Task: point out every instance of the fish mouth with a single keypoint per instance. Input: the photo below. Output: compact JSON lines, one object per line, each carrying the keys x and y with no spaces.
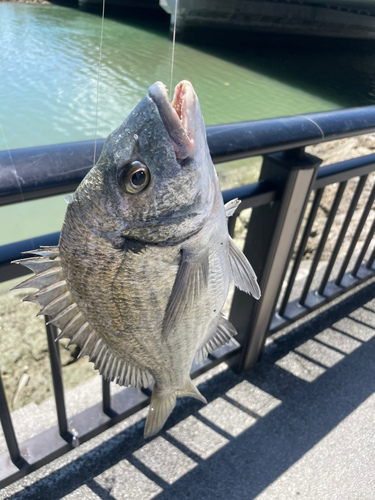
{"x":179,"y":116}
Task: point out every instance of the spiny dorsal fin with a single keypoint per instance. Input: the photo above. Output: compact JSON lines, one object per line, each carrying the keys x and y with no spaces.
{"x":243,"y":274}
{"x":39,"y":264}
{"x":72,"y":327}
{"x":223,"y":334}
{"x":43,"y":279}
{"x":44,"y":251}
{"x":49,"y":293}
{"x":189,"y":286}
{"x":67,"y":314}
{"x":58,"y":304}
{"x":231,"y":207}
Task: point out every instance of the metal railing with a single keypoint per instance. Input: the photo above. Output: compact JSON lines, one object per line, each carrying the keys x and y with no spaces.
{"x":284,"y":202}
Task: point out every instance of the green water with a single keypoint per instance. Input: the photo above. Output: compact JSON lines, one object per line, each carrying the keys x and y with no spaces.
{"x":48,"y":84}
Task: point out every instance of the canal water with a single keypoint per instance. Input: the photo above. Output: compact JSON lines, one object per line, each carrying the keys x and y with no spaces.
{"x":48,"y":85}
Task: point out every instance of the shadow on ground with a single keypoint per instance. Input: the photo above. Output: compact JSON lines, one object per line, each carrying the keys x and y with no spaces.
{"x":243,"y":444}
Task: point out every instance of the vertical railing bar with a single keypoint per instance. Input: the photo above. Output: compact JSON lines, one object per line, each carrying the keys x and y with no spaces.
{"x":364,"y":249}
{"x":371,"y":260}
{"x":356,"y":236}
{"x":8,"y":429}
{"x":344,"y":228}
{"x":57,"y":379}
{"x":271,"y":236}
{"x":323,"y":240}
{"x":106,"y":395}
{"x":301,"y":249}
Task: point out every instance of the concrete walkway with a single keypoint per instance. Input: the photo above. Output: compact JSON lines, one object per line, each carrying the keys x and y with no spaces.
{"x":300,"y":425}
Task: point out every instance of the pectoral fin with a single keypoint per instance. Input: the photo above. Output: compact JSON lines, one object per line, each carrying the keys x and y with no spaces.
{"x":189,"y":286}
{"x":244,"y":276}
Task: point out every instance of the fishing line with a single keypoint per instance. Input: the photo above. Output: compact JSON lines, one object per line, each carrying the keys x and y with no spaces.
{"x":11,"y":159}
{"x":98,"y":80}
{"x":15,"y":173}
{"x":174,"y":42}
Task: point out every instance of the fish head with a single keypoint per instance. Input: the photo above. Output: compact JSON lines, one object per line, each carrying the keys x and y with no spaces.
{"x":154,"y":181}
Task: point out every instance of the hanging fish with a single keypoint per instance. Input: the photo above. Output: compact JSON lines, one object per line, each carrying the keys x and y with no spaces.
{"x":144,"y":261}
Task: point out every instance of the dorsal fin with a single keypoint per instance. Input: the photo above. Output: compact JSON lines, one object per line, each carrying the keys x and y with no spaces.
{"x":223,"y":334}
{"x":39,"y":264}
{"x":44,"y":251}
{"x":59,"y":305}
{"x":42,"y":279}
{"x":62,"y":319}
{"x":46,"y":295}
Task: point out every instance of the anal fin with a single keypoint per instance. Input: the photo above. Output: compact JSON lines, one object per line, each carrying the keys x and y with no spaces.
{"x":222,"y":336}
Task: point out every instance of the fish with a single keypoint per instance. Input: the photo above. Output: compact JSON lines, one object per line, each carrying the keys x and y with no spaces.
{"x":144,"y":261}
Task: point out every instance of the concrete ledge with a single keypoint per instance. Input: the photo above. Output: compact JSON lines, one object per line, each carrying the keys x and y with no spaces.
{"x":331,"y":19}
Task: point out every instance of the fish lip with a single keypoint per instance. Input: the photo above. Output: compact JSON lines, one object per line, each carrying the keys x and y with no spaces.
{"x":179,"y":116}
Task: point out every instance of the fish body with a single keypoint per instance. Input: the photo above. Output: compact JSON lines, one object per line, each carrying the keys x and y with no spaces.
{"x":144,"y":261}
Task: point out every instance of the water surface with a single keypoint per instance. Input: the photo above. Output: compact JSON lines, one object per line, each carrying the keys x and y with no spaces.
{"x":48,"y":86}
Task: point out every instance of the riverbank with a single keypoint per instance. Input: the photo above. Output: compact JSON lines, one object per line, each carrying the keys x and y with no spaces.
{"x":331,"y":152}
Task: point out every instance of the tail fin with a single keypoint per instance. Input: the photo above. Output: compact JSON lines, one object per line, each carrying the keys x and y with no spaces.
{"x":189,"y":389}
{"x":161,"y":407}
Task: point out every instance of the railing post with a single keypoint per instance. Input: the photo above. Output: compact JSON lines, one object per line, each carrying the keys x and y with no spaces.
{"x":272,"y":232}
{"x":57,"y":380}
{"x":106,"y":396}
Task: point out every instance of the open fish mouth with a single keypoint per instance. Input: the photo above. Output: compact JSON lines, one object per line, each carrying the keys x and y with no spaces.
{"x":179,"y":116}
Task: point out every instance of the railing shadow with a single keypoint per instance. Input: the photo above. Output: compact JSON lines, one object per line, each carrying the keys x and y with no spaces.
{"x":254,"y":445}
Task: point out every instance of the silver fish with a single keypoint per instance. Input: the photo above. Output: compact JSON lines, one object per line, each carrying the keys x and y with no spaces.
{"x":144,"y":261}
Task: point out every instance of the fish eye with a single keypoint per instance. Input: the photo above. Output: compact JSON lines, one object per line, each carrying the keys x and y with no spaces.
{"x":134,"y":177}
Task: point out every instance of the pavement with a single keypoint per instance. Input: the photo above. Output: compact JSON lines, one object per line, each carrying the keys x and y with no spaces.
{"x":299,"y":425}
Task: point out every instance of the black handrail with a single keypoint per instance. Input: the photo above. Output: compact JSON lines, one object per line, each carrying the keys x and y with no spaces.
{"x":252,"y":195}
{"x":31,"y":173}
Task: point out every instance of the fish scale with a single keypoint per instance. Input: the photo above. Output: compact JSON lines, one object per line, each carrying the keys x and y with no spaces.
{"x":144,"y":261}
